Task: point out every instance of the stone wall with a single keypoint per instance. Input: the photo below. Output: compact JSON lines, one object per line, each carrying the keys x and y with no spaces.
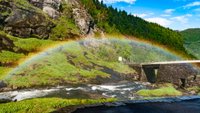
{"x":179,"y":74}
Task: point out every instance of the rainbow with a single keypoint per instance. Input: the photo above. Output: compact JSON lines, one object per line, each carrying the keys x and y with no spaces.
{"x":45,"y":51}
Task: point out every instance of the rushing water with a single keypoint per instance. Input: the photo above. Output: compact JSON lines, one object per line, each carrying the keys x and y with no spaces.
{"x":122,"y":91}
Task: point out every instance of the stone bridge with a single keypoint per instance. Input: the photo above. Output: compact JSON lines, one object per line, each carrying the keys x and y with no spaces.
{"x":181,"y":73}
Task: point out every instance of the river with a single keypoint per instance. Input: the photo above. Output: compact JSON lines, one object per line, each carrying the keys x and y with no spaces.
{"x":168,"y":105}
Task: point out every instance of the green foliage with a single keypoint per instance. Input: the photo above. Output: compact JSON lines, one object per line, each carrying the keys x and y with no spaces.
{"x":161,"y":92}
{"x":113,"y":20}
{"x":9,"y":57}
{"x":46,"y":105}
{"x":65,"y":25}
{"x":65,"y":29}
{"x":191,"y":35}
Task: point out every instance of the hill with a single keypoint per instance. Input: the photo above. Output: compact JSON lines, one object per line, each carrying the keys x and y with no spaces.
{"x":192,"y":41}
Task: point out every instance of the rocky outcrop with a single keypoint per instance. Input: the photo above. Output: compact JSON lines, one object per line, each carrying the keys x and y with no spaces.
{"x":23,"y":23}
{"x":51,"y":7}
{"x":28,"y":18}
{"x":82,"y":18}
{"x":24,"y":20}
{"x":179,"y":74}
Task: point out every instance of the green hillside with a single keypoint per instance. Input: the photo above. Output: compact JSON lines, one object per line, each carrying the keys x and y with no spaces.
{"x":112,"y":20}
{"x":192,"y":41}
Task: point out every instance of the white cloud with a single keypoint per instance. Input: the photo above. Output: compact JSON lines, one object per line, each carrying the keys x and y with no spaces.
{"x":114,"y":1}
{"x":142,"y":15}
{"x":197,"y":3}
{"x":182,"y":19}
{"x":162,"y":21}
{"x":169,"y":11}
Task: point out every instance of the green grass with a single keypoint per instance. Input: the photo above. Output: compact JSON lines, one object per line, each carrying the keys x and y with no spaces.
{"x":161,"y":92}
{"x":32,"y":44}
{"x":4,"y":71}
{"x":10,"y":57}
{"x":45,"y":105}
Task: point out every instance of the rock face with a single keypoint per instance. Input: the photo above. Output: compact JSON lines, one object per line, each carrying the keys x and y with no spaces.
{"x":51,"y":7}
{"x":24,"y":20}
{"x":82,"y":18}
{"x":179,"y":74}
{"x":28,"y":18}
{"x":28,"y":23}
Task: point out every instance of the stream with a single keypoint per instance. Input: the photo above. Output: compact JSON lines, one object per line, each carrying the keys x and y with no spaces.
{"x":122,"y":91}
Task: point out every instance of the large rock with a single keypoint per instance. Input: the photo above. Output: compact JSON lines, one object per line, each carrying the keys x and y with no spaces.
{"x":179,"y":74}
{"x":51,"y":7}
{"x":2,"y":84}
{"x":25,"y":23}
{"x":82,"y":18}
{"x":24,"y":20}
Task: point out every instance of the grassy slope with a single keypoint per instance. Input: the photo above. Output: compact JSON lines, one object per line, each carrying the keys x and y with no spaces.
{"x":45,"y":105}
{"x":75,"y":63}
{"x":192,"y":41}
{"x":56,"y":68}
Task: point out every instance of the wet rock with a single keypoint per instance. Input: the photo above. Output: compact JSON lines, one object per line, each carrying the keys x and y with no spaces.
{"x":4,"y":99}
{"x":2,"y":84}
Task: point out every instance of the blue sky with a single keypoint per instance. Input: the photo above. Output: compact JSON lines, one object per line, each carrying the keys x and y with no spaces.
{"x":175,"y":14}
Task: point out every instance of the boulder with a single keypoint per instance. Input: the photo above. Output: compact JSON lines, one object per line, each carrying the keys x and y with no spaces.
{"x":2,"y":84}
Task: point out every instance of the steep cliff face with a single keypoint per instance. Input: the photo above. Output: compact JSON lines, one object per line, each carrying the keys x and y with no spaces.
{"x":37,"y":18}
